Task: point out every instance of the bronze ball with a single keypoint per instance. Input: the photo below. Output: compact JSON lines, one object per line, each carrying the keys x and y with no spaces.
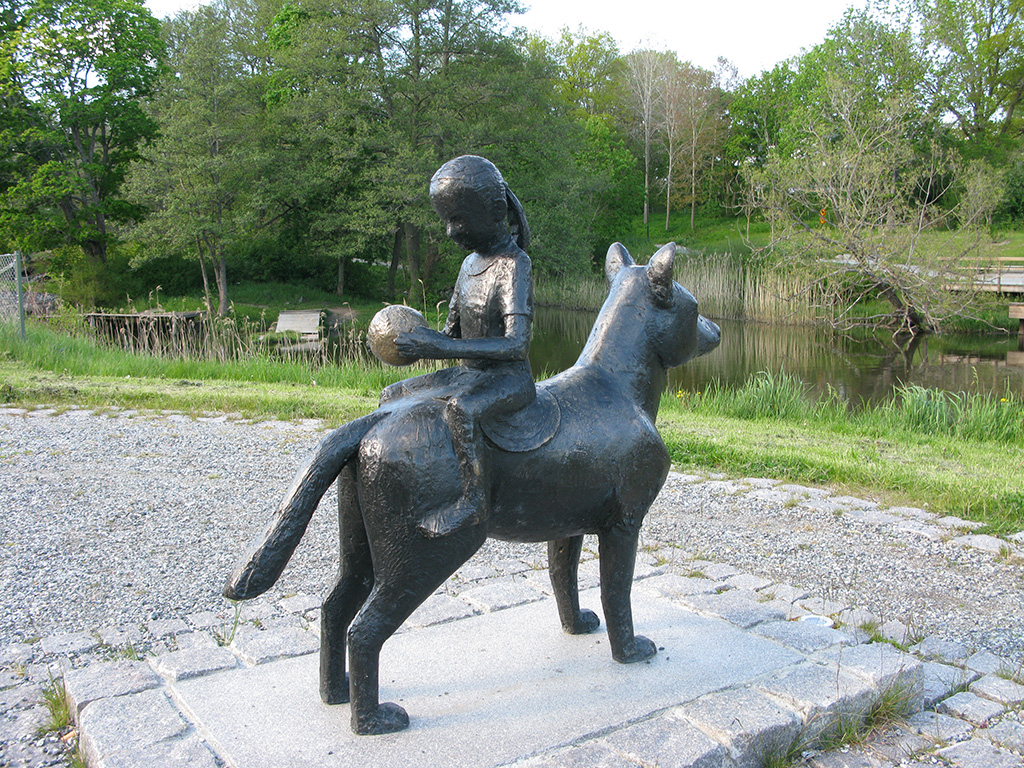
{"x":385,"y":326}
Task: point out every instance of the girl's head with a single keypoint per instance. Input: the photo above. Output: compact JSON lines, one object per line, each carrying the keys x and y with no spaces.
{"x":478,"y":208}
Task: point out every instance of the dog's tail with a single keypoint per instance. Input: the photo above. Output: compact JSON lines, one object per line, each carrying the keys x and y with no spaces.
{"x":268,"y":555}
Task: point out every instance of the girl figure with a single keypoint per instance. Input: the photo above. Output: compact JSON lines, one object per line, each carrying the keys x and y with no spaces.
{"x":489,"y":324}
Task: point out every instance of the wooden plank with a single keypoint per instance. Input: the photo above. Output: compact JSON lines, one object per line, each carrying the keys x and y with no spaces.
{"x":1017,"y":311}
{"x":303,"y":321}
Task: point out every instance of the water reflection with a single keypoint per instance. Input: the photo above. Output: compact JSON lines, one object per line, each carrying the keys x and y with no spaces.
{"x":862,"y":368}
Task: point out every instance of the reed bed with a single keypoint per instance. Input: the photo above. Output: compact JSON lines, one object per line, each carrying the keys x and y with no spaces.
{"x":723,"y":283}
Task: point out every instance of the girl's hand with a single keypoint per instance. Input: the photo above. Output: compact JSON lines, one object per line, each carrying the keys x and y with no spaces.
{"x":422,"y":343}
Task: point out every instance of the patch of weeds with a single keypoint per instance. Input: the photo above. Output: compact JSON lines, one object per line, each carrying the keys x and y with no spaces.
{"x":779,"y":753}
{"x":1007,"y":555}
{"x":223,"y":640}
{"x":58,"y":707}
{"x":695,"y":573}
{"x":1013,"y":674}
{"x":890,"y":707}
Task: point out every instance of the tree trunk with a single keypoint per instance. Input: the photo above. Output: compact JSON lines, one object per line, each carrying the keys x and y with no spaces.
{"x":910,"y":317}
{"x":206,"y":282}
{"x":340,"y":290}
{"x":412,"y":253}
{"x":396,"y":257}
{"x":220,"y":273}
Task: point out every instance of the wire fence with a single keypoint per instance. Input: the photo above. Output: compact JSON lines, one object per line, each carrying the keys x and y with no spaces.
{"x":12,"y":297}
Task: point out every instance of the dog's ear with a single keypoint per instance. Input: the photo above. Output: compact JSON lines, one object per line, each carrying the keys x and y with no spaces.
{"x":617,"y":258}
{"x":659,"y":271}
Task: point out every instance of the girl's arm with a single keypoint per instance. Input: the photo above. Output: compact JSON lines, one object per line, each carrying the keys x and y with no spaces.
{"x":428,"y":344}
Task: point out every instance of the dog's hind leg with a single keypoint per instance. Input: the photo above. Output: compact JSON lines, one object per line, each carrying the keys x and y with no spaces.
{"x":355,"y":580}
{"x":406,"y":574}
{"x":563,"y":564}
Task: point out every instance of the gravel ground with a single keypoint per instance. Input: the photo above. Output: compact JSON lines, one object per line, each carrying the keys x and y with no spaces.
{"x":118,"y":519}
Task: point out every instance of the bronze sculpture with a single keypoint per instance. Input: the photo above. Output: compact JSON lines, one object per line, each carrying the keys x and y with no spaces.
{"x":583,"y":457}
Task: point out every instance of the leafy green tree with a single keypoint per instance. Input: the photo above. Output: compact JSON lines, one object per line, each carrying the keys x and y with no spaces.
{"x":202,"y":179}
{"x":978,"y":51}
{"x":74,"y":75}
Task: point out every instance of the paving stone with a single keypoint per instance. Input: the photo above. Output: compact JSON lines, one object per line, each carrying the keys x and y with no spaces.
{"x":937,"y":649}
{"x":646,"y":571}
{"x":16,"y":653}
{"x":589,"y":755}
{"x":166,"y":627}
{"x":941,"y":680}
{"x":949,"y":521}
{"x":204,"y":619}
{"x":20,"y":696}
{"x":913,"y":512}
{"x":871,"y":516}
{"x":939,"y":727}
{"x":847,"y":759}
{"x":193,"y":662}
{"x":857,"y":617}
{"x":672,"y":585}
{"x":747,"y":581}
{"x":69,"y":643}
{"x":1018,"y":537}
{"x":984,"y":663}
{"x":774,"y":495}
{"x":1006,"y":692}
{"x":991,"y":544}
{"x":120,"y":637}
{"x":195,"y":640}
{"x":855,"y":502}
{"x":824,"y":505}
{"x":750,"y":725}
{"x":101,"y":681}
{"x":254,"y":611}
{"x":589,"y":574}
{"x":757,"y":482}
{"x":506,"y":593}
{"x":1007,"y":734}
{"x":896,"y":743}
{"x":896,"y":631}
{"x":803,"y":490}
{"x":298,"y":603}
{"x":438,"y":609}
{"x":667,"y":740}
{"x":970,"y":707}
{"x":255,"y":646}
{"x":737,"y":606}
{"x":8,"y":680}
{"x":144,"y":729}
{"x":824,"y":607}
{"x":924,"y":530}
{"x":803,"y":636}
{"x":719,"y":571}
{"x":886,"y":667}
{"x":979,"y":753}
{"x":820,"y":694}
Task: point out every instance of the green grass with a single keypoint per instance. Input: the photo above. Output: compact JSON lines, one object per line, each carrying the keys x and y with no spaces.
{"x":953,"y":454}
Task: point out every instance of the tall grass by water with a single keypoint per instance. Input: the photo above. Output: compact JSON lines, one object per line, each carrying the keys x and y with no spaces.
{"x":912,"y":409}
{"x":724,"y":285}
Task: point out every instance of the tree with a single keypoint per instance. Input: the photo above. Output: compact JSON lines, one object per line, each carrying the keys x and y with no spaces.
{"x":868,"y":212}
{"x":691,"y":125}
{"x":202,"y":178}
{"x":643,"y":73}
{"x":75,"y":74}
{"x":978,"y":50}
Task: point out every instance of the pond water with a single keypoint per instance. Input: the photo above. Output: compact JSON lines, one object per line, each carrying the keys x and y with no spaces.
{"x":861,"y":368}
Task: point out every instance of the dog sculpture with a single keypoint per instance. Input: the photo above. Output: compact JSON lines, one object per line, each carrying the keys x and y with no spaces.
{"x":596,"y":473}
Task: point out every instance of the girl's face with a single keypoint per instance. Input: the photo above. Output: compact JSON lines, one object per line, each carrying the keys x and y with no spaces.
{"x":470,"y":219}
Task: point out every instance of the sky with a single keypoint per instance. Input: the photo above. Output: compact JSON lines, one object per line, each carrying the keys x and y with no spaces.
{"x":753,"y":34}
